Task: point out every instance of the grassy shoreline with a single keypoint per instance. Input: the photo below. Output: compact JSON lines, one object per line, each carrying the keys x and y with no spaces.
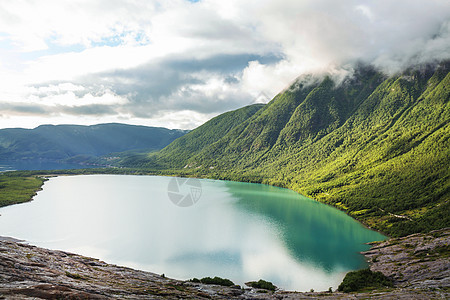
{"x":19,"y":189}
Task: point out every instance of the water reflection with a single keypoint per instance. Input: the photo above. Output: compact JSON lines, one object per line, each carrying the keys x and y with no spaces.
{"x":312,"y":231}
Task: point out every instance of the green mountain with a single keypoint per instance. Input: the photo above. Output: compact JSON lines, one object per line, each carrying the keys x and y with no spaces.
{"x":68,"y":141}
{"x":177,"y":153}
{"x":375,"y":146}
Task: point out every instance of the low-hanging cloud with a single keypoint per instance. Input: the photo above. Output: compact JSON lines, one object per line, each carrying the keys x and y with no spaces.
{"x":392,"y":35}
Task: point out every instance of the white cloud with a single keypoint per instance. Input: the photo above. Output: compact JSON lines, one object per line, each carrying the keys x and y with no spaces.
{"x":187,"y":119}
{"x":269,"y":79}
{"x":151,"y":61}
{"x":33,"y":24}
{"x":69,"y":66}
{"x":68,"y":98}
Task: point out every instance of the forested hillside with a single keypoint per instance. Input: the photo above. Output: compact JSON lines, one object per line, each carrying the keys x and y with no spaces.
{"x":373,"y":145}
{"x":177,"y":153}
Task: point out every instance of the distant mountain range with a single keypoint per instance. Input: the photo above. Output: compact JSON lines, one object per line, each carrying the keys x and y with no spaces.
{"x":373,"y":145}
{"x":76,"y":142}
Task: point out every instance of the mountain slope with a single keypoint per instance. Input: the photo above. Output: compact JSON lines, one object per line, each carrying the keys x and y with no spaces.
{"x":174,"y":155}
{"x":375,"y":146}
{"x":65,"y":141}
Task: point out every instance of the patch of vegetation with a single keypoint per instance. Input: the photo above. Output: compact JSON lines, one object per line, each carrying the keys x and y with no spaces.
{"x":442,"y":251}
{"x":176,"y":287}
{"x":363,"y":280}
{"x":75,"y":276}
{"x":18,"y":189}
{"x":262,"y":284}
{"x":216,"y":280}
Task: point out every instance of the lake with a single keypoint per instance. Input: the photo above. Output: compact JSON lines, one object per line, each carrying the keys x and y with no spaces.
{"x":194,"y":228}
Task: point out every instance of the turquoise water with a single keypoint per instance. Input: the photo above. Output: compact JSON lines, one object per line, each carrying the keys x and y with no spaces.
{"x":234,"y":230}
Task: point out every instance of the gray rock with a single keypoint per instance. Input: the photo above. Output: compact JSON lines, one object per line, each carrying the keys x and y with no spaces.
{"x":418,"y":264}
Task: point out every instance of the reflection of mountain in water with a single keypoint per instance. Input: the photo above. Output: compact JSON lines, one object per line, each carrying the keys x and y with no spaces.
{"x":313,"y":232}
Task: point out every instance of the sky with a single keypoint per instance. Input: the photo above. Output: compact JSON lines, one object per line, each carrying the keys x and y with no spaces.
{"x":178,"y":63}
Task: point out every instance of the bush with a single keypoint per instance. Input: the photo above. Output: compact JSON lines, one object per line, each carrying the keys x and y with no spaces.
{"x":215,"y":280}
{"x":363,"y":280}
{"x":262,"y":284}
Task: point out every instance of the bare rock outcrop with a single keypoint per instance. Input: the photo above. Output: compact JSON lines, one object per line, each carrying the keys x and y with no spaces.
{"x":418,"y":261}
{"x":418,"y":265}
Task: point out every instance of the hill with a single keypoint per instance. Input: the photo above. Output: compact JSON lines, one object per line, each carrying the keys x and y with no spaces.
{"x":68,"y":141}
{"x":175,"y":155}
{"x":373,"y":145}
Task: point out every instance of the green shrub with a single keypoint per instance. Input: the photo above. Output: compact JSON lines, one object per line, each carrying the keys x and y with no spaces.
{"x":363,"y":280}
{"x":215,"y":280}
{"x":262,"y":284}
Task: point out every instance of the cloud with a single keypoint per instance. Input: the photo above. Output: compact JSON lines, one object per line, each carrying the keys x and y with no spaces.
{"x":90,"y":109}
{"x":23,"y":109}
{"x":150,"y":62}
{"x":390,"y":34}
{"x":168,"y":84}
{"x":206,"y":85}
{"x":34,"y":25}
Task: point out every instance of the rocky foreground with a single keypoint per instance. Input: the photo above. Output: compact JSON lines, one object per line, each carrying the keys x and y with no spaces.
{"x":418,"y":264}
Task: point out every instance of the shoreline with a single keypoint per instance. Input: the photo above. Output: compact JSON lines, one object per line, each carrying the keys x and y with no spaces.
{"x":30,"y":272}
